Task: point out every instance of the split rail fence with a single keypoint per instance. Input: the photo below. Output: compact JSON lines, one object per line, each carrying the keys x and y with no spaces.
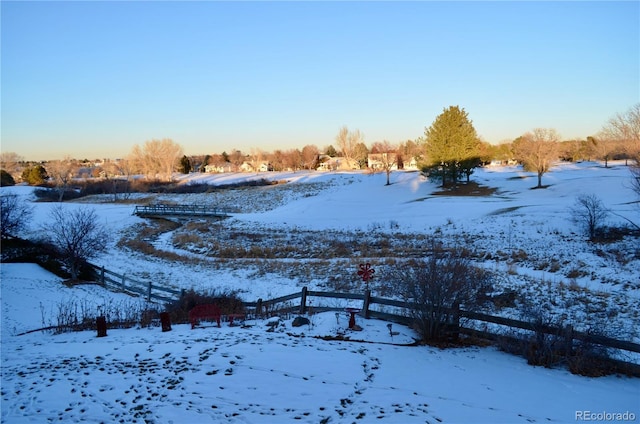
{"x":388,"y":310}
{"x":123,"y":283}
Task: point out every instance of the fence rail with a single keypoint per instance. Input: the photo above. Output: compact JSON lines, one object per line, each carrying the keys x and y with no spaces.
{"x":284,"y":304}
{"x":180,"y":210}
{"x":123,"y":283}
{"x":269,"y":306}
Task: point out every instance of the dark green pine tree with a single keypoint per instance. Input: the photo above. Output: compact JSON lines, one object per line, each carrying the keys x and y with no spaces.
{"x":35,"y":175}
{"x":185,"y":165}
{"x":451,"y":145}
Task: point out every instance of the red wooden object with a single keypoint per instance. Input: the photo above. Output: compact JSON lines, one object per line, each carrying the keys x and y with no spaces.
{"x":204,"y":312}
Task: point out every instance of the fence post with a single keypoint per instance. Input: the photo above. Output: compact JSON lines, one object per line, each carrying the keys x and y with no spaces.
{"x":101,"y":324}
{"x":149,"y":293}
{"x":568,"y":339}
{"x":165,"y":321}
{"x":259,"y":308}
{"x":365,"y":304}
{"x":303,"y":300}
{"x":456,"y":321}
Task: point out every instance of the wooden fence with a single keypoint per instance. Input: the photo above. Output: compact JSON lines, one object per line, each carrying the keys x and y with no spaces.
{"x":400,"y":311}
{"x":402,"y":315}
{"x":122,"y":283}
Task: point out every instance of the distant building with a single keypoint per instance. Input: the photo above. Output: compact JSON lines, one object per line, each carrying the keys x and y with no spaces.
{"x":382,"y":160}
{"x":214,"y":168}
{"x":328,"y":163}
{"x":263,"y":166}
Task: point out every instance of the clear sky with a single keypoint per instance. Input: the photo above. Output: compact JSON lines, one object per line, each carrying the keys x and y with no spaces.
{"x":92,"y":79}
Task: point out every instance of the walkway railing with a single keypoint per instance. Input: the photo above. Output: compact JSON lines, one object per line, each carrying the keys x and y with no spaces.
{"x":180,"y":210}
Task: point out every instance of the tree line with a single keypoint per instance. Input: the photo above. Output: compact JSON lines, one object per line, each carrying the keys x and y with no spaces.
{"x":449,"y":151}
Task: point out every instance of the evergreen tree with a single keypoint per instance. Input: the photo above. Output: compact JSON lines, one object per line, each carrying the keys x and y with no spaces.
{"x":6,"y":179}
{"x":35,"y":175}
{"x":361,"y":155}
{"x":451,"y":145}
{"x":331,"y":151}
{"x":185,"y":165}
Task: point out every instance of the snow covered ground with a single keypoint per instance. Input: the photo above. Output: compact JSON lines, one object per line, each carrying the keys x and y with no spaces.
{"x":249,"y":375}
{"x":246,"y":374}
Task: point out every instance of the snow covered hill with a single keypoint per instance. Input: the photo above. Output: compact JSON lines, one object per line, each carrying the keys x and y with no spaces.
{"x":316,"y":226}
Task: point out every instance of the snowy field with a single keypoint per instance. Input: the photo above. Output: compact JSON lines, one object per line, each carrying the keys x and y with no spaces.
{"x":246,"y":374}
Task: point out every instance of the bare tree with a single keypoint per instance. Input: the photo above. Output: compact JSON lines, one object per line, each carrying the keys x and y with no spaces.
{"x":310,"y":154}
{"x":61,"y":171}
{"x":276,"y":159}
{"x":15,"y":214}
{"x":635,"y":180}
{"x":604,"y":145}
{"x":589,"y":213}
{"x":119,"y":173}
{"x":386,"y":156}
{"x":258,"y":157}
{"x":292,"y":160}
{"x":624,"y":129}
{"x":10,"y":162}
{"x":438,"y":286}
{"x":537,"y":151}
{"x":157,"y":158}
{"x":78,"y":236}
{"x":236,"y":158}
{"x":347,"y":141}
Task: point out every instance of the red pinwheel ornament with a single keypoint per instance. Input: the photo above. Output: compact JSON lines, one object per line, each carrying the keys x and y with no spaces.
{"x":366,"y":272}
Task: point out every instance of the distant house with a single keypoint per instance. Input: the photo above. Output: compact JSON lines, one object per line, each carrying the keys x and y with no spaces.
{"x":412,"y":164}
{"x":263,"y":166}
{"x":327,"y":163}
{"x":214,"y":168}
{"x":246,"y":167}
{"x":382,"y":160}
{"x":498,"y":162}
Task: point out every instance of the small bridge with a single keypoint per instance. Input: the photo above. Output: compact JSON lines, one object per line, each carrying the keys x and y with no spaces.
{"x":154,"y":211}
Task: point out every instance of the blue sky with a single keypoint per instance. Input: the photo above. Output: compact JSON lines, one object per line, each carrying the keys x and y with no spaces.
{"x":92,"y":79}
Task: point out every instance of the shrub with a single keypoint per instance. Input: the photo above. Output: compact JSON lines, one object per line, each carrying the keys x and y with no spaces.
{"x":438,"y":285}
{"x":15,"y":214}
{"x":589,"y":213}
{"x":81,"y":314}
{"x":227,"y":301}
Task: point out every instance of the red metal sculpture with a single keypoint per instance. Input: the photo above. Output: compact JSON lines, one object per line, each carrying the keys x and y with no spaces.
{"x":366,"y":272}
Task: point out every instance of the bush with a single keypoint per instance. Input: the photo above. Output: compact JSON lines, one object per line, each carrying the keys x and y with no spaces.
{"x":51,"y":195}
{"x":228,"y":302}
{"x":439,"y":285}
{"x":15,"y":214}
{"x":81,"y":314}
{"x":589,"y":213}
